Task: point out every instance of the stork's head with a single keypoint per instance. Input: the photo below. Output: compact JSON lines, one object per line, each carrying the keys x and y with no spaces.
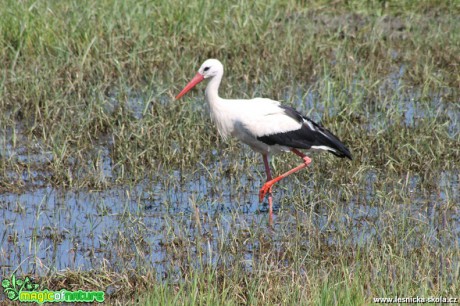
{"x":210,"y":68}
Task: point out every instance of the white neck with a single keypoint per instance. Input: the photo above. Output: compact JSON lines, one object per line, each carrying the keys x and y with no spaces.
{"x":218,"y":107}
{"x":212,"y":90}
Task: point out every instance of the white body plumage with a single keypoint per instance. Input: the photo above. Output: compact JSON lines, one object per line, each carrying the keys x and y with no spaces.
{"x":264,"y":124}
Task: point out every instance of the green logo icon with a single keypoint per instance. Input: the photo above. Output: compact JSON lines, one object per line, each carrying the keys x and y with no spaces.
{"x":13,"y":287}
{"x":25,"y":290}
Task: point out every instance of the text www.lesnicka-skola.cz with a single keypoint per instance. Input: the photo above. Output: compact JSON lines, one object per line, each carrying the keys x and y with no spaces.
{"x":431,"y":299}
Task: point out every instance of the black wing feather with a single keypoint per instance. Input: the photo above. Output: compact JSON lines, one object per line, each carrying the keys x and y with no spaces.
{"x":306,"y":137}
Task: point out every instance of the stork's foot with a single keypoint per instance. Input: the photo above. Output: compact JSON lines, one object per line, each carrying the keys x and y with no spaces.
{"x":266,"y":189}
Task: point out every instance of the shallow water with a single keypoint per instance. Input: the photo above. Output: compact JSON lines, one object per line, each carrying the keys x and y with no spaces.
{"x":46,"y":229}
{"x":49,"y":229}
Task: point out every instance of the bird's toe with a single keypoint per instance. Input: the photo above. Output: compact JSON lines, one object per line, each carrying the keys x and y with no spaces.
{"x":266,"y":188}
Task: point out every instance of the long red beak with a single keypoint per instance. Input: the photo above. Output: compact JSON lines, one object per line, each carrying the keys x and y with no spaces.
{"x":196,"y":79}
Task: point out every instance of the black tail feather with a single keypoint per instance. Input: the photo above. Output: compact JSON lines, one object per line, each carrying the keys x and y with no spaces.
{"x":310,"y":135}
{"x":323,"y":137}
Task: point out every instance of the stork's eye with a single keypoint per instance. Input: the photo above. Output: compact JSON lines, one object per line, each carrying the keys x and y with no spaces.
{"x":206,"y":68}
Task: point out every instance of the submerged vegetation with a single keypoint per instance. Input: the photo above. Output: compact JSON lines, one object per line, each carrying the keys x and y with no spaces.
{"x":87,"y":106}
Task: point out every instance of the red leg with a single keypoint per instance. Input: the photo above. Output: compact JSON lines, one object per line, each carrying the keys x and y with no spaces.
{"x":267,"y":187}
{"x":301,"y":155}
{"x":270,"y":199}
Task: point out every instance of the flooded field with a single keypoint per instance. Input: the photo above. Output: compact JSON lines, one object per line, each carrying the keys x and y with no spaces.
{"x":108,"y":183}
{"x":52,"y":229}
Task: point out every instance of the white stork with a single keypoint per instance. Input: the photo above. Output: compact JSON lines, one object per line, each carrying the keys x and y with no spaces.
{"x":265,"y":125}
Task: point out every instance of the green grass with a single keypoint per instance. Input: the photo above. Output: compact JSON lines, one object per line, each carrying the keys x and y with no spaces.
{"x":79,"y":78}
{"x":63,"y":60}
{"x":287,"y":268}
